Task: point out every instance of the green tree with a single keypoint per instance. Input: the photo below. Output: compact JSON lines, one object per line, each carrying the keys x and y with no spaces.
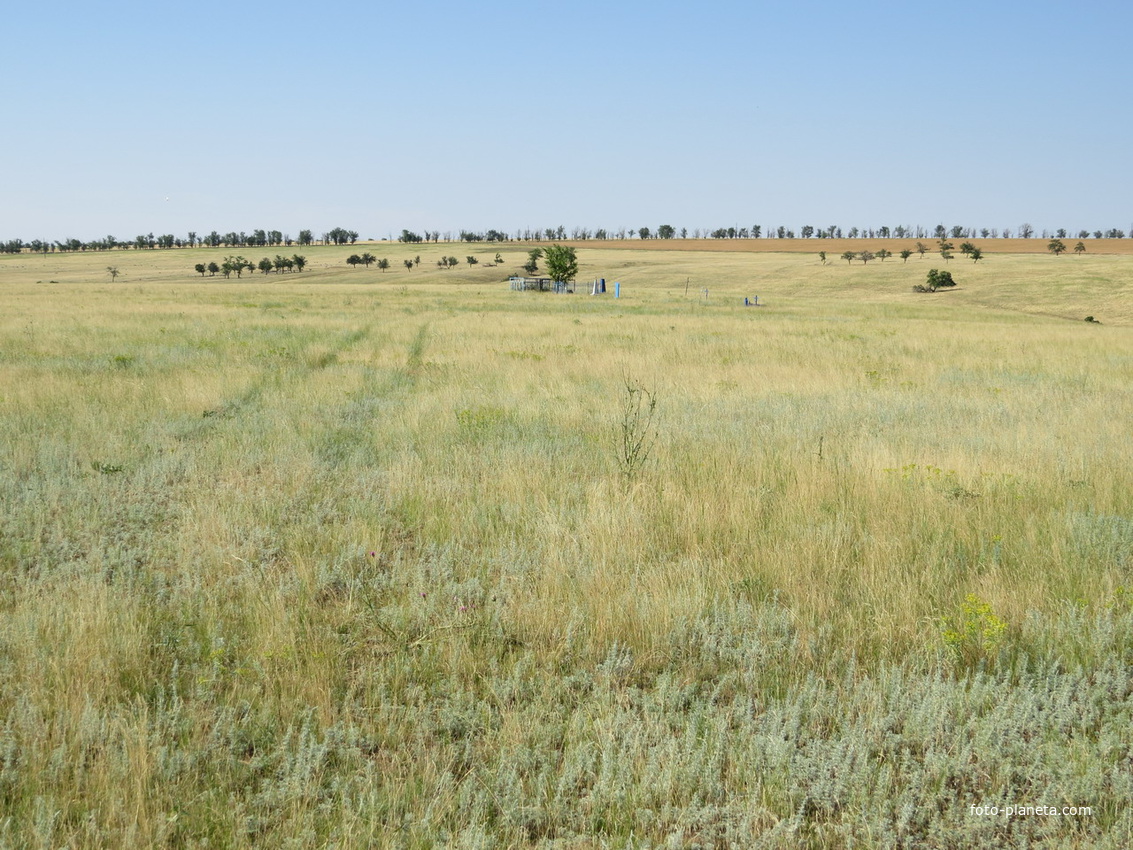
{"x":113,"y":272}
{"x":562,"y":262}
{"x":368,"y":259}
{"x":905,"y":254}
{"x":353,"y":261}
{"x":383,"y":264}
{"x":299,"y":261}
{"x":1056,"y":246}
{"x":1080,"y":248}
{"x":408,"y":264}
{"x":213,"y":269}
{"x":848,"y":256}
{"x":666,"y":231}
{"x":533,"y":258}
{"x":235,"y":264}
{"x":471,"y":260}
{"x":822,"y":257}
{"x":265,"y":265}
{"x":865,"y":256}
{"x":976,"y":254}
{"x":921,"y":248}
{"x":643,"y":232}
{"x":200,"y":269}
{"x":938,"y":279}
{"x":883,"y":253}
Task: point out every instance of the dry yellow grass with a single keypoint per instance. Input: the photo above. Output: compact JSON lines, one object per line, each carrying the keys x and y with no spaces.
{"x":352,"y":558}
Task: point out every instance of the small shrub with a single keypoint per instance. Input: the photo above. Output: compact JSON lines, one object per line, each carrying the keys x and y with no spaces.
{"x":977,"y":634}
{"x":637,"y":433}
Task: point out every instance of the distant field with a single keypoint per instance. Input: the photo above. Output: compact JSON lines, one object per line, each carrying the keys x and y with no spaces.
{"x":409,"y":560}
{"x":834,"y":247}
{"x":1069,"y":287}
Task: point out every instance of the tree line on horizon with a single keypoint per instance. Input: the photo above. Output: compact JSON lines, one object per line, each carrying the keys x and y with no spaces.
{"x":343,"y":236}
{"x":148,"y":241}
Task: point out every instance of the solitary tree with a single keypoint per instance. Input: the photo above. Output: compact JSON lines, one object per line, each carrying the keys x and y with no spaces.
{"x":905,"y":254}
{"x":865,"y":256}
{"x":562,"y":262}
{"x":200,"y":269}
{"x":937,"y":279}
{"x":113,"y":272}
{"x":408,"y":264}
{"x":1056,"y":246}
{"x":976,"y":254}
{"x":822,"y":256}
{"x":848,"y":256}
{"x":353,"y":260}
{"x":666,"y":231}
{"x":921,"y":248}
{"x":383,"y":264}
{"x":1079,"y":249}
{"x":882,"y":253}
{"x":643,"y":232}
{"x":471,"y":260}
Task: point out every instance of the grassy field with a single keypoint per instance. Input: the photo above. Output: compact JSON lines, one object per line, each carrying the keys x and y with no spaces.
{"x":350,"y":558}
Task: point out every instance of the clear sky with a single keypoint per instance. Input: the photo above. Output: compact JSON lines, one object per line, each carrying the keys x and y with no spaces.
{"x":128,"y":117}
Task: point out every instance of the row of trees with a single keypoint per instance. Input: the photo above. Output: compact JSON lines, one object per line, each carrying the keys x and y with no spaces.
{"x":238,"y":265}
{"x":945,"y":247}
{"x":343,"y":236}
{"x":444,"y":262}
{"x":148,"y":241}
{"x":756,"y":231}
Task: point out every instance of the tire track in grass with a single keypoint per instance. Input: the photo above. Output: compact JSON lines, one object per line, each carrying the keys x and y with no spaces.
{"x":272,"y":377}
{"x":349,"y":433}
{"x":137,"y":499}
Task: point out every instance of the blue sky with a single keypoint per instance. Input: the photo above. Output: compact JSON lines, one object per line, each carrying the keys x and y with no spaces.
{"x":508,"y":115}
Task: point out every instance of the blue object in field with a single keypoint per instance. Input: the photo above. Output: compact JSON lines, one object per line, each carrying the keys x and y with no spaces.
{"x":617,"y":289}
{"x":602,"y":285}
